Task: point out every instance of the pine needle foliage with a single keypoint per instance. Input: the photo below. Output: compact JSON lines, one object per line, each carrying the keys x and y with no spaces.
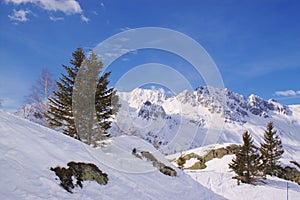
{"x":96,"y":112}
{"x":60,"y":114}
{"x":246,"y":163}
{"x":271,"y":150}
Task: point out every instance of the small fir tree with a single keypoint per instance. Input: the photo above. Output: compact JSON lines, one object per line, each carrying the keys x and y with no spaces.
{"x":271,"y":151}
{"x":246,"y":163}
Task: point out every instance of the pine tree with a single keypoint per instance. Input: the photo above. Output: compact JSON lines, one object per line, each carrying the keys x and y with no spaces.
{"x":84,"y":104}
{"x":246,"y":163}
{"x":271,"y":151}
{"x":106,"y":103}
{"x":60,"y":114}
{"x":94,"y":101}
{"x":83,"y":99}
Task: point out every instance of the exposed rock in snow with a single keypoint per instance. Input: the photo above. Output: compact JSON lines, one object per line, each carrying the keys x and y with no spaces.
{"x":151,"y":111}
{"x":259,"y":106}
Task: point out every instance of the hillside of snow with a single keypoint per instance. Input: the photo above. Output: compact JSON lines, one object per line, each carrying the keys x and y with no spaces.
{"x":218,"y":178}
{"x":32,"y":112}
{"x":29,"y":150}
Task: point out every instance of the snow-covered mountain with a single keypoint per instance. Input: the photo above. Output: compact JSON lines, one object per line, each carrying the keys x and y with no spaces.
{"x":205,"y":116}
{"x":28,"y":151}
{"x":189,"y":122}
{"x":193,"y":119}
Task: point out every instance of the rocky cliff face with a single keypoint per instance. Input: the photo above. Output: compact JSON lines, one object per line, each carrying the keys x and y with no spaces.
{"x":261,"y":107}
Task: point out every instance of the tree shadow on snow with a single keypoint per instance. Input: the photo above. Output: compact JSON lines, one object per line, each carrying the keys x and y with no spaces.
{"x":282,"y":184}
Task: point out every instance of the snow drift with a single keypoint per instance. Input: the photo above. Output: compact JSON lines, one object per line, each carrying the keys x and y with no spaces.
{"x":28,"y":151}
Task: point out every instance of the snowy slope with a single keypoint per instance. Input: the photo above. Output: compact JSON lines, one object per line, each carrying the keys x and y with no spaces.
{"x":33,"y":112}
{"x":218,"y":178}
{"x":28,"y":151}
{"x":205,"y":116}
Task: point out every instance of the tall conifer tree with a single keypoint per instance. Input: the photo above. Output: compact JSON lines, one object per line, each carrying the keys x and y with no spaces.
{"x":60,"y":114}
{"x":106,"y":102}
{"x":271,"y":151}
{"x":94,"y":101}
{"x":103,"y":103}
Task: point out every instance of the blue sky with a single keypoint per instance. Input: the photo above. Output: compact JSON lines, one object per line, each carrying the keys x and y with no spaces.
{"x":255,"y":44}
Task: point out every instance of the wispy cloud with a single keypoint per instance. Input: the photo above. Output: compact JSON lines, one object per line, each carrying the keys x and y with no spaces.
{"x":52,"y":18}
{"x":102,"y":5}
{"x":10,"y":105}
{"x":95,"y":12}
{"x":287,"y":93}
{"x":19,"y":15}
{"x":65,"y":6}
{"x":68,"y":7}
{"x":84,"y":18}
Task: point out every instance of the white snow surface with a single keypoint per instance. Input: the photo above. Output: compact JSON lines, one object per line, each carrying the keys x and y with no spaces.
{"x":218,"y":177}
{"x":29,"y":150}
{"x":32,"y":112}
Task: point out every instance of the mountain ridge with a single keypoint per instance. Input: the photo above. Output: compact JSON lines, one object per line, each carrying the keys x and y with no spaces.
{"x":196,"y":112}
{"x":205,"y":116}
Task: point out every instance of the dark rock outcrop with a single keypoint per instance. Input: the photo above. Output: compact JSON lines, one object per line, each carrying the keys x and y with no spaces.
{"x":81,"y":172}
{"x":290,"y":173}
{"x":157,"y":164}
{"x":151,"y":111}
{"x":211,"y":154}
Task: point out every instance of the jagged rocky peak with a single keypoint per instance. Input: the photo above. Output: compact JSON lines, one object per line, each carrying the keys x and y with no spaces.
{"x":151,"y":111}
{"x":220,"y":94}
{"x":206,"y":96}
{"x":279,"y":108}
{"x":235,"y":99}
{"x":186,"y":97}
{"x":232,"y":104}
{"x":235,"y":105}
{"x":152,"y":95}
{"x":259,"y":106}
